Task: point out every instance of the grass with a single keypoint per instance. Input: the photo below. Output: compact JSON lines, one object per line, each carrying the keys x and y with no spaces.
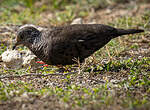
{"x":115,"y":77}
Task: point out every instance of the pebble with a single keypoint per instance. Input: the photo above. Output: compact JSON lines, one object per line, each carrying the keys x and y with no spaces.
{"x":13,"y":59}
{"x":77,"y":21}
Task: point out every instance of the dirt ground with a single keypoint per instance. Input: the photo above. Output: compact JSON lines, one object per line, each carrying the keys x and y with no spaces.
{"x":87,"y":78}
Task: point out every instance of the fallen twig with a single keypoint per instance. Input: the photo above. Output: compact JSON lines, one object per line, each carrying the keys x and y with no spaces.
{"x":37,"y":75}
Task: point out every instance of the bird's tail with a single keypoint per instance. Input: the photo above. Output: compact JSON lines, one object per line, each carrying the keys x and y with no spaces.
{"x":128,"y":31}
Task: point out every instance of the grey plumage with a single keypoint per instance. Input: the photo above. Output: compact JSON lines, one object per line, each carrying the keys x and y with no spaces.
{"x":60,"y":45}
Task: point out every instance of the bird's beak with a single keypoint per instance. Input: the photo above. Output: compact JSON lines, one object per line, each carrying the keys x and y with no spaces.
{"x":16,"y":44}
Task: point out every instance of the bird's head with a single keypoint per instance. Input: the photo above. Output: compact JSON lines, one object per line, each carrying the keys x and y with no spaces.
{"x":26,"y":35}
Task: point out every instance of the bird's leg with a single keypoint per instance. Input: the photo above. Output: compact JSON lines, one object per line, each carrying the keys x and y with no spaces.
{"x":61,"y":68}
{"x":41,"y":62}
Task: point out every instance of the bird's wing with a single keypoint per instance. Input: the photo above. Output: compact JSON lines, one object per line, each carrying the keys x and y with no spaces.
{"x":76,"y":41}
{"x":81,"y":32}
{"x":89,"y":37}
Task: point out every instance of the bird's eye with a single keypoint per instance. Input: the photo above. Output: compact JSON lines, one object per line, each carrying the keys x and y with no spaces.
{"x":21,"y":37}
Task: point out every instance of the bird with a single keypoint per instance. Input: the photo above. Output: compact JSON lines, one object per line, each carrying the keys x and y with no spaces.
{"x":60,"y":45}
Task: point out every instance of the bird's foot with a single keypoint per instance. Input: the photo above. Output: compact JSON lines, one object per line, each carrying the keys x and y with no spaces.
{"x":43,"y":63}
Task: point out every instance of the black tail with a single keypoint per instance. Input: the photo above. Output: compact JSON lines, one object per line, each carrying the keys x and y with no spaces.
{"x":128,"y":31}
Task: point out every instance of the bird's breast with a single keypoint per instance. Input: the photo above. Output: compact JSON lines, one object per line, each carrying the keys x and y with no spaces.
{"x":41,"y":50}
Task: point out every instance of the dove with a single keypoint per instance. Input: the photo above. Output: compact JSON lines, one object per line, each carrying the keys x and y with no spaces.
{"x":61,"y":45}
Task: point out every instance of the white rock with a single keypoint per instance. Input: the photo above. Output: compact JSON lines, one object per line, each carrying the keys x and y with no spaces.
{"x":29,"y":59}
{"x":77,"y":21}
{"x":12,"y":59}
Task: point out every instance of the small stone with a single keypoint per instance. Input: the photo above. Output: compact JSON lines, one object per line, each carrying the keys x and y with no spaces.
{"x":12,"y":59}
{"x":27,"y":57}
{"x":114,"y":81}
{"x":108,"y":11}
{"x":77,"y":21}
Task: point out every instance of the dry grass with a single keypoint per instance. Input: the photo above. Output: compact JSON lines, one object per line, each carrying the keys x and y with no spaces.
{"x":116,"y":77}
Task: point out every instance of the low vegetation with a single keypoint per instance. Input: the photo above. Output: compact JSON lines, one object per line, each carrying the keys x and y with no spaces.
{"x":116,"y":77}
